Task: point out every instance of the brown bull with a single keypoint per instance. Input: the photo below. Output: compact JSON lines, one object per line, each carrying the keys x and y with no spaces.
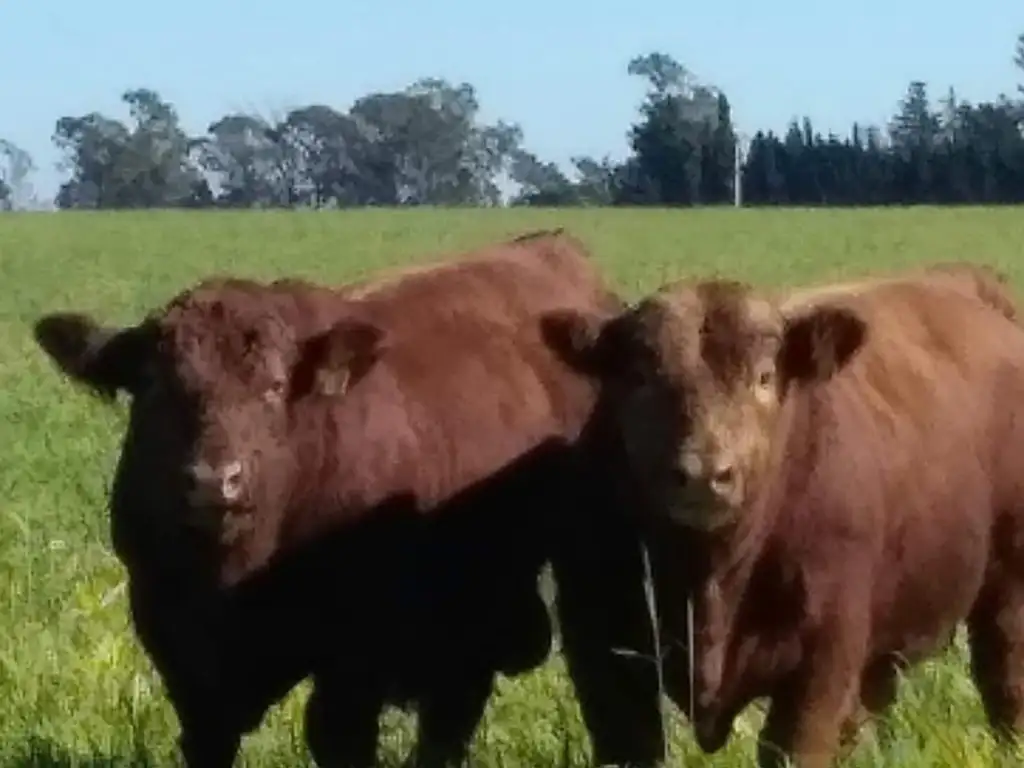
{"x":362,"y":485}
{"x":835,"y":479}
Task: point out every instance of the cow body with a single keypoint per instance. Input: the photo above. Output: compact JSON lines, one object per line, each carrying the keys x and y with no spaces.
{"x":359,"y":485}
{"x":836,"y":481}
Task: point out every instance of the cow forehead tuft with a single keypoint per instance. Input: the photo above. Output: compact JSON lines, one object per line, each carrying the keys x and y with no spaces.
{"x":217,"y":300}
{"x":222,"y":331}
{"x":715,"y":325}
{"x":230,"y":308}
{"x":733,"y":309}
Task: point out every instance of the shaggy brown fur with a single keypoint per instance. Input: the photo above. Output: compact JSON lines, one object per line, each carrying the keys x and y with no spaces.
{"x":979,"y":280}
{"x":362,"y":485}
{"x":838,"y":484}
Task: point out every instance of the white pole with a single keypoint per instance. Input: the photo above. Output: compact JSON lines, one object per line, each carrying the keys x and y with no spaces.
{"x":737,"y":170}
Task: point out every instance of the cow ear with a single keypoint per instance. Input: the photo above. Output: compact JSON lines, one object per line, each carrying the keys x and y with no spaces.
{"x":103,"y":359}
{"x":820,"y":341}
{"x":331,"y":362}
{"x":580,"y":340}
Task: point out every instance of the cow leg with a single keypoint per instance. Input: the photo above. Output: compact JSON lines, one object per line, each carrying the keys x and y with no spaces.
{"x":607,"y":643}
{"x":449,"y":713}
{"x":178,"y":638}
{"x":996,"y":637}
{"x":878,"y":687}
{"x":808,"y":712}
{"x":210,"y":726}
{"x":342,"y":722}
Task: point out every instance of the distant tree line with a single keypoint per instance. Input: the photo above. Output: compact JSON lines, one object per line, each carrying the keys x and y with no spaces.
{"x":426,"y":145}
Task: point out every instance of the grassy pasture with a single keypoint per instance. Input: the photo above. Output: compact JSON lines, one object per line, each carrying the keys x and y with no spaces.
{"x":75,"y":689}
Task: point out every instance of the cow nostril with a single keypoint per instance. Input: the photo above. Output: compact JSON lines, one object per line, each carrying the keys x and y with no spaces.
{"x":231,"y":480}
{"x":723,"y":478}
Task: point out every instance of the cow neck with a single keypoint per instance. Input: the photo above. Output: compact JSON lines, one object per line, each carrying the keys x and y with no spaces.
{"x":732,"y":555}
{"x":349,"y":454}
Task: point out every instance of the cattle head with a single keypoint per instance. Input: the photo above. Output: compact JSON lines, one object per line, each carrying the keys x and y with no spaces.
{"x":215,"y":379}
{"x":697,"y":375}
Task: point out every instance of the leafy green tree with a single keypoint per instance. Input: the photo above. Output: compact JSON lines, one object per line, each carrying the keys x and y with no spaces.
{"x":112,"y":165}
{"x":1018,"y":60}
{"x":426,"y":145}
{"x":540,"y":183}
{"x":16,"y":167}
{"x":245,"y":162}
{"x":667,"y":141}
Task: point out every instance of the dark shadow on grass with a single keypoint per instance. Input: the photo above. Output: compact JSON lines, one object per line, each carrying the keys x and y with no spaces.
{"x":43,"y":753}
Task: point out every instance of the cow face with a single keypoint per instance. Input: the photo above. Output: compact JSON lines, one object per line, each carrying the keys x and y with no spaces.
{"x":214,"y":380}
{"x":697,"y":374}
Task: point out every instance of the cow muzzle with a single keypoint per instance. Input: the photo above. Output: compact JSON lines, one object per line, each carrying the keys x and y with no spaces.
{"x":222,"y":485}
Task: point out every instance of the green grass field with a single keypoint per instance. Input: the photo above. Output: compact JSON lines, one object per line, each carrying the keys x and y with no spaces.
{"x":75,"y":689}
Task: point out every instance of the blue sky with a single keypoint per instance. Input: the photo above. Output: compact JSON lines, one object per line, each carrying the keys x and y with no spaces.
{"x":556,"y":67}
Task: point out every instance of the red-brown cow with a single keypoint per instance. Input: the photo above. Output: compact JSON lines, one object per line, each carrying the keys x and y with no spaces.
{"x":837,"y":481}
{"x":362,"y":485}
